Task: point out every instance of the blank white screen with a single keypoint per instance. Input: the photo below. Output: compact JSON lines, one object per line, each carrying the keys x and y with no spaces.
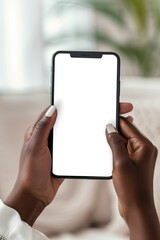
{"x":85,"y":93}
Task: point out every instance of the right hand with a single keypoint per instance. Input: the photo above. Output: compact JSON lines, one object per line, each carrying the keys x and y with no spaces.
{"x":134,"y":158}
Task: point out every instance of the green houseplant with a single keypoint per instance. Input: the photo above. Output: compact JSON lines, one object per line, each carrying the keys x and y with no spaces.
{"x":138,"y":19}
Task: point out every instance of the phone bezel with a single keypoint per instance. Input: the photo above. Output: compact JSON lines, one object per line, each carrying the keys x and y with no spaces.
{"x":82,"y":54}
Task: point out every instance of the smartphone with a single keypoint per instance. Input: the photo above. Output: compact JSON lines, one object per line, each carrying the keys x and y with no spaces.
{"x":85,"y":89}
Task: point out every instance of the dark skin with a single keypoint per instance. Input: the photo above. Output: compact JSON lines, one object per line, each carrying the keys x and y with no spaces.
{"x":134,"y":161}
{"x":133,"y":169}
{"x":35,"y":188}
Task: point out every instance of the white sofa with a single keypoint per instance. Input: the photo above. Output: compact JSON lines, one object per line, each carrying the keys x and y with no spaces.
{"x":83,"y":209}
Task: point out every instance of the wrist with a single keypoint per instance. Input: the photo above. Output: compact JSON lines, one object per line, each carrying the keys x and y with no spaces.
{"x":28,"y":207}
{"x":143,"y":222}
{"x":138,"y":211}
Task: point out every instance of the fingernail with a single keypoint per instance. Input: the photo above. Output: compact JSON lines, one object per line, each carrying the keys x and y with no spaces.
{"x":110,"y":128}
{"x":50,"y":111}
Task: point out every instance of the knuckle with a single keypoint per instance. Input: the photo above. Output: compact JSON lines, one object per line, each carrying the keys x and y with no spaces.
{"x":150,"y":149}
{"x":42,"y":123}
{"x":147,"y":146}
{"x":155,"y":152}
{"x":115,"y":138}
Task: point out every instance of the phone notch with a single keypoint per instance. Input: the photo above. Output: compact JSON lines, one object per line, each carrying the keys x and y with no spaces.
{"x":86,"y":54}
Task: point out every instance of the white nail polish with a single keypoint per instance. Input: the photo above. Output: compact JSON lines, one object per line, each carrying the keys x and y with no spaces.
{"x":110,"y":128}
{"x":50,"y":111}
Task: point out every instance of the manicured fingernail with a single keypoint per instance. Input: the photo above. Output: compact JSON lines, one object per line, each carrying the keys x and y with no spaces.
{"x":110,"y":128}
{"x":50,"y":111}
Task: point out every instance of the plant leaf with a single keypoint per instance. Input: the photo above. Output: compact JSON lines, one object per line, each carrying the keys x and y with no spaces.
{"x":139,"y":10}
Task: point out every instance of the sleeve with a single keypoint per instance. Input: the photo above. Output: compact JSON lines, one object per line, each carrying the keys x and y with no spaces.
{"x":13,"y":228}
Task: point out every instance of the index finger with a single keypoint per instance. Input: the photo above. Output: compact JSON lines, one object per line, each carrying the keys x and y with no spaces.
{"x":125,"y":107}
{"x":129,"y":131}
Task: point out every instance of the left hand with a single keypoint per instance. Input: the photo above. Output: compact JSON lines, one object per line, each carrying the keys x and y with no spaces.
{"x":35,"y":188}
{"x":35,"y":161}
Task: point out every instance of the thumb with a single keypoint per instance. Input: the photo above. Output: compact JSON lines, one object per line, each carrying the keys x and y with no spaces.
{"x":43,"y":126}
{"x":118,"y":146}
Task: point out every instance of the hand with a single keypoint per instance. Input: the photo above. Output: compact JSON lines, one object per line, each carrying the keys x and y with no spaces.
{"x":125,"y":108}
{"x":35,"y":188}
{"x":35,"y":160}
{"x":134,"y":158}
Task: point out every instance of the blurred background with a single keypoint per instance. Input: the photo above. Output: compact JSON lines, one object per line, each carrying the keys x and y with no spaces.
{"x":30,"y":32}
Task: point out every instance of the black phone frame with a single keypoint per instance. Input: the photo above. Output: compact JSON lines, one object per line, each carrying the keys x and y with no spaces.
{"x":82,"y":54}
